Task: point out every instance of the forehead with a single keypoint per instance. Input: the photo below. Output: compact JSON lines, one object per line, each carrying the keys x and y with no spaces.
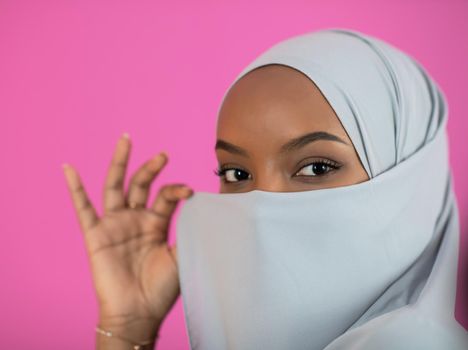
{"x":272,"y":103}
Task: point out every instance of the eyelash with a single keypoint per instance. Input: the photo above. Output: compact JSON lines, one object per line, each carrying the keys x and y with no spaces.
{"x":221,"y":172}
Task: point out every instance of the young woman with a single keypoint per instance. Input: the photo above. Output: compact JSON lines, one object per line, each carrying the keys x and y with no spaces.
{"x":336,"y":225}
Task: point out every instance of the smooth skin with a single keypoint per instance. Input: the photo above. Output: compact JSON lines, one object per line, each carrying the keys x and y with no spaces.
{"x":261,"y":129}
{"x":133,"y":268}
{"x":261,"y":144}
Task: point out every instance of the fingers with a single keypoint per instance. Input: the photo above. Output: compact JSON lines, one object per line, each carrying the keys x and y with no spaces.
{"x":114,"y":198}
{"x":166,"y":201}
{"x":86,"y":213}
{"x":140,"y":182}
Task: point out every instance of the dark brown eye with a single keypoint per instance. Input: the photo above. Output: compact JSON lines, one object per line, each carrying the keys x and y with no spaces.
{"x":233,"y":174}
{"x":316,"y":169}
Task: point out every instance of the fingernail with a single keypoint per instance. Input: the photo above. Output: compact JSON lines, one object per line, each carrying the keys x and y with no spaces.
{"x":160,"y":156}
{"x":126,"y":135}
{"x":186,"y":189}
{"x":64,"y":165}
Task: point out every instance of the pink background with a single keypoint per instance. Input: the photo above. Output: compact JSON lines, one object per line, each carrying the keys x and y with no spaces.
{"x":74,"y":75}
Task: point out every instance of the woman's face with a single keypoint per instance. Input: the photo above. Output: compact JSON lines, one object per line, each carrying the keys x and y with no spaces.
{"x":276,"y":132}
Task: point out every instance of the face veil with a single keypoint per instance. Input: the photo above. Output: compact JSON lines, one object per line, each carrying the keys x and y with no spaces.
{"x":367,"y":266}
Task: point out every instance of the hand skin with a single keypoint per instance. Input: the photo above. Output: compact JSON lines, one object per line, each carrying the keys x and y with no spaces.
{"x":134,"y":270}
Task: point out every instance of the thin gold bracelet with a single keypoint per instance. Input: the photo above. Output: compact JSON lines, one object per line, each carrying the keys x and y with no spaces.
{"x":135,"y":346}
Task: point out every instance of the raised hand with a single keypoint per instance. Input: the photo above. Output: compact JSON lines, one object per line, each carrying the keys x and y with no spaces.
{"x":134,"y":269}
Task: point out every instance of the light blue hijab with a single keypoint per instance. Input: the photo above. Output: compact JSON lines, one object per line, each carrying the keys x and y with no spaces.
{"x":367,"y":266}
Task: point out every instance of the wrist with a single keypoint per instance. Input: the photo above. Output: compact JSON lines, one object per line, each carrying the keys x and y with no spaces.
{"x":138,"y":329}
{"x":109,"y":340}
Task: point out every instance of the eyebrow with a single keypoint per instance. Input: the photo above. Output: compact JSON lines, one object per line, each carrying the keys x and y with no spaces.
{"x":289,"y":146}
